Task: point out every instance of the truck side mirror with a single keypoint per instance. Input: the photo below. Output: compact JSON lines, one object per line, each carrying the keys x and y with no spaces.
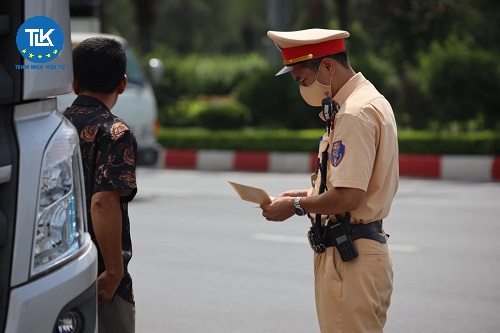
{"x":156,"y":69}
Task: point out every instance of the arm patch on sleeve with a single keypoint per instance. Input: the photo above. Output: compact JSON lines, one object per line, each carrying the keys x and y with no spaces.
{"x":338,"y":152}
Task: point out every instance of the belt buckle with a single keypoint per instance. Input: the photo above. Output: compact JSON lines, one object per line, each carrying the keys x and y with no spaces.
{"x":319,"y":248}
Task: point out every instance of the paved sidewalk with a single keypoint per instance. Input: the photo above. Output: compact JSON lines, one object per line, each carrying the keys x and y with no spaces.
{"x":460,"y":167}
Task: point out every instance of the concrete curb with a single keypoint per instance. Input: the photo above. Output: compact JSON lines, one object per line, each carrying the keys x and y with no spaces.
{"x":459,"y":167}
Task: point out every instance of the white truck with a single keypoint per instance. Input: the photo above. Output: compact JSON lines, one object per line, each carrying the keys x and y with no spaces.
{"x":48,"y":263}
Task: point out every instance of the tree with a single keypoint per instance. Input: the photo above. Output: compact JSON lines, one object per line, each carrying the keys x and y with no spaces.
{"x":343,"y":13}
{"x":145,"y":18}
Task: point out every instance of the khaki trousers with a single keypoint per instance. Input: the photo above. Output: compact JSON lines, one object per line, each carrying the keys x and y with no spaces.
{"x":353,"y":296}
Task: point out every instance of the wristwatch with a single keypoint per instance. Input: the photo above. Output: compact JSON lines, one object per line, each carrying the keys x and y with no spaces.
{"x":297,"y":208}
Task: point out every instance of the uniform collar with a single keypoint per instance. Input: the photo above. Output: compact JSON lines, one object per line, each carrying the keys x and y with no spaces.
{"x":85,"y":100}
{"x":348,"y":88}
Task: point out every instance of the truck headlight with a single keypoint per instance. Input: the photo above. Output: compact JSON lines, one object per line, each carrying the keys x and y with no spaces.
{"x":60,"y":219}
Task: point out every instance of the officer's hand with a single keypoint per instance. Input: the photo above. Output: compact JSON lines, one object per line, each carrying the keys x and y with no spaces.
{"x":106,"y":286}
{"x":293,"y":193}
{"x":279,"y":210}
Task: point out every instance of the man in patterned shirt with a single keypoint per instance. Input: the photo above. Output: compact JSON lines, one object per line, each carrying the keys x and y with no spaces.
{"x":109,"y":152}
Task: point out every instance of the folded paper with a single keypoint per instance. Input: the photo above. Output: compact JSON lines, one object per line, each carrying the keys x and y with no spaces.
{"x":252,"y":194}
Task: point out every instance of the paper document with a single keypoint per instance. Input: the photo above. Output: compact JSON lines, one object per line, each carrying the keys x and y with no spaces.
{"x":252,"y":194}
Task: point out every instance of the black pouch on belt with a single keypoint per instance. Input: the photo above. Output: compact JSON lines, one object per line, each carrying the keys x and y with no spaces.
{"x":341,"y":235}
{"x":338,"y":234}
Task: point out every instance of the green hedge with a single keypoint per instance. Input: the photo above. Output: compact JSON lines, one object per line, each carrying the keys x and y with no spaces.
{"x":410,"y":142}
{"x":275,"y":101}
{"x":472,"y":143}
{"x":461,"y":83}
{"x":263,"y":140}
{"x":212,"y":113}
{"x":452,"y":84}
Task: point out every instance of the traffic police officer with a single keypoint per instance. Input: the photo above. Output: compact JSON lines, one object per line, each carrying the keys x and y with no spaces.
{"x":354,"y":187}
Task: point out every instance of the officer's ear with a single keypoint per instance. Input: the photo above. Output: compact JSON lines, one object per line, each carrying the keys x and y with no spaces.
{"x":329,"y":64}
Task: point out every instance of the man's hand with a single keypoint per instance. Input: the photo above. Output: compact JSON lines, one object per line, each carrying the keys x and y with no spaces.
{"x":293,"y":193}
{"x":107,"y":283}
{"x":279,"y":210}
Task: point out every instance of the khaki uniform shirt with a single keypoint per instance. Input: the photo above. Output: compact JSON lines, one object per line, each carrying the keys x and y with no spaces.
{"x":362,"y":149}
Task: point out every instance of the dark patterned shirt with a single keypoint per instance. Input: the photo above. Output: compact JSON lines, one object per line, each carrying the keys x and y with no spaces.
{"x":109,"y":154}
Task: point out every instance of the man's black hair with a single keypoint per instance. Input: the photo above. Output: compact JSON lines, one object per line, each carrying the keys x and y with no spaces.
{"x":341,"y":58}
{"x":99,"y":64}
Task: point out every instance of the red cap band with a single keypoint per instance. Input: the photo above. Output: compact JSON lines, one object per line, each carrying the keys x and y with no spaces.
{"x":292,"y":55}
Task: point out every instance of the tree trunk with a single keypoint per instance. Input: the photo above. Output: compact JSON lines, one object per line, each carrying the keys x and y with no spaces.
{"x":145,"y":17}
{"x":343,"y":13}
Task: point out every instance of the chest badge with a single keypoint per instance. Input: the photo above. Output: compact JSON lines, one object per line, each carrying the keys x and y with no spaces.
{"x":338,"y":151}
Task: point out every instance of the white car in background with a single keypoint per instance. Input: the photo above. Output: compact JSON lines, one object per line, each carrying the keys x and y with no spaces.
{"x":137,"y":105}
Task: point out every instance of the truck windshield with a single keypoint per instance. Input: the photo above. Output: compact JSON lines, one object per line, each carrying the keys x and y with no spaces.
{"x":134,"y":71}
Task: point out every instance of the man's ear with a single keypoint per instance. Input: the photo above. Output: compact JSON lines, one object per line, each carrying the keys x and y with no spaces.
{"x":123,"y":85}
{"x":330,"y":65}
{"x":76,"y":86}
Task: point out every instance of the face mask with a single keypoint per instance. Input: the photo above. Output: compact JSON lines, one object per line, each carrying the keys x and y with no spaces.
{"x":316,"y":92}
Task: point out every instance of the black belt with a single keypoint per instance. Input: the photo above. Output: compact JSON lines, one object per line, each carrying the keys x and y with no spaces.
{"x":371,"y":230}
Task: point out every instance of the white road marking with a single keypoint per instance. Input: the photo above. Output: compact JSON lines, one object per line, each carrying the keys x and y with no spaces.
{"x":402,"y":248}
{"x":303,"y":240}
{"x":280,"y":238}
